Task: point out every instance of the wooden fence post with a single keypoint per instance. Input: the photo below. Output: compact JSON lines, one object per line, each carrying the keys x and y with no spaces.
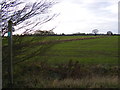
{"x":10,"y":65}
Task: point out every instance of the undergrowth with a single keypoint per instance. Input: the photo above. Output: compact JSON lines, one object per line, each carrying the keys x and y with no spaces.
{"x":72,"y":74}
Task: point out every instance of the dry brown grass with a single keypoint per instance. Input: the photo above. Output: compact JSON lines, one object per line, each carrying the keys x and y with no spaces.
{"x":95,"y":82}
{"x":68,"y":75}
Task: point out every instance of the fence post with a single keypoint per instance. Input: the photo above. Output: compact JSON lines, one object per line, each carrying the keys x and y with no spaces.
{"x":10,"y":66}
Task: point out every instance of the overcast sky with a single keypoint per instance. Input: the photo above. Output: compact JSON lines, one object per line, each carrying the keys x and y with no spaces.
{"x":85,"y":15}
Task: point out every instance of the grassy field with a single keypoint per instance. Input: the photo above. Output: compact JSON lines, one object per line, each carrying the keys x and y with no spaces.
{"x":43,"y":65}
{"x":102,"y":50}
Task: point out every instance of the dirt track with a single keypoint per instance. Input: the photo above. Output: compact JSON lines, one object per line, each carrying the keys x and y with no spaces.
{"x":57,"y":41}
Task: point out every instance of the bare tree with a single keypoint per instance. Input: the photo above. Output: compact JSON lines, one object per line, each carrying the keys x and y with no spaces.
{"x":95,"y":31}
{"x":109,"y":33}
{"x":20,"y":12}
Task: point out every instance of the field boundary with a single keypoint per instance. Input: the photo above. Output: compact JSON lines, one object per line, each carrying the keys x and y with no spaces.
{"x":65,"y":40}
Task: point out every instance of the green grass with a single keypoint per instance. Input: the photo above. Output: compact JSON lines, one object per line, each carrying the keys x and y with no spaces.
{"x":34,"y":61}
{"x":48,"y":38}
{"x":102,"y":50}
